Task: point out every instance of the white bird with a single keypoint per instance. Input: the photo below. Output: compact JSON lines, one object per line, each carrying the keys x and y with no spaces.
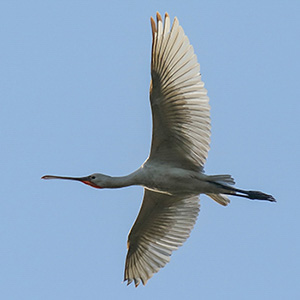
{"x":172,"y":176}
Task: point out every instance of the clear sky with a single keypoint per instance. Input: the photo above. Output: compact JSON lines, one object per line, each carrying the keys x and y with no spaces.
{"x":74,"y":82}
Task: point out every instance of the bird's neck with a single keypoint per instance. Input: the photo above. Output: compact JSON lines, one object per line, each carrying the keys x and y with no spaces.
{"x":114,"y":182}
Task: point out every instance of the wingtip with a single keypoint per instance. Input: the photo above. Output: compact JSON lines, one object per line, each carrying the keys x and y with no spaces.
{"x":128,"y":280}
{"x":158,"y":17}
{"x":153,"y":26}
{"x":136,"y":281}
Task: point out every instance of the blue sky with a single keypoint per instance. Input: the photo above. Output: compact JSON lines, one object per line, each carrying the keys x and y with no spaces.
{"x":74,"y":80}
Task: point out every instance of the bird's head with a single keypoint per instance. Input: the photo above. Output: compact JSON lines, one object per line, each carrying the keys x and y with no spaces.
{"x":95,"y":180}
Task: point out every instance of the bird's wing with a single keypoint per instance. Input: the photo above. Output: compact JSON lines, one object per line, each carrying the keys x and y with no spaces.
{"x":179,"y":101}
{"x":163,"y":224}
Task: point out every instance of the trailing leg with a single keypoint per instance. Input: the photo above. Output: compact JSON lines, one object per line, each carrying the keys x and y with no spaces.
{"x":252,"y":195}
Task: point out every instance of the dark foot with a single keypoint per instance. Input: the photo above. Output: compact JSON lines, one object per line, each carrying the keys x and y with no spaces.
{"x":260,"y":196}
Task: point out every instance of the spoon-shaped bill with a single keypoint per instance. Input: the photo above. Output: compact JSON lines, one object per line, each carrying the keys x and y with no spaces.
{"x":85,"y":180}
{"x":64,"y":177}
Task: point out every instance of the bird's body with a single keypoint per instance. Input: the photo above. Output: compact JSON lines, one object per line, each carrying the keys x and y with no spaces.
{"x":172,"y":176}
{"x":165,"y":179}
{"x":172,"y":180}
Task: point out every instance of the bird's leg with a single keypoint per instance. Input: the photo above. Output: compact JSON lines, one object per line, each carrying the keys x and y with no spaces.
{"x":252,"y":195}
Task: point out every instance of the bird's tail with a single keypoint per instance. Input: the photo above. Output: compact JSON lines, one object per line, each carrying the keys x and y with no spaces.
{"x":223,"y":180}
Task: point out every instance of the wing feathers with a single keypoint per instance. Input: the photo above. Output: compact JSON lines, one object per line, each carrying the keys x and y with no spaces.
{"x":181,"y":136}
{"x":180,"y":109}
{"x":157,"y":234}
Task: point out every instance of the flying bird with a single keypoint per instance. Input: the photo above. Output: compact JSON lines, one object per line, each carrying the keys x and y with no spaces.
{"x":173,"y":175}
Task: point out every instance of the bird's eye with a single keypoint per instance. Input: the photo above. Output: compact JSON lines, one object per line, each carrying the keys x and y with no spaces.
{"x":93,"y":177}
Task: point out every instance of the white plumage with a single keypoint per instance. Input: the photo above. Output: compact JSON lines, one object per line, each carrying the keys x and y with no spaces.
{"x":163,"y":224}
{"x":172,"y":176}
{"x":179,"y":101}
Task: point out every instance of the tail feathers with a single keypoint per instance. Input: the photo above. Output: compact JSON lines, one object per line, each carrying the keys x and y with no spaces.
{"x":220,"y":198}
{"x":222,"y":179}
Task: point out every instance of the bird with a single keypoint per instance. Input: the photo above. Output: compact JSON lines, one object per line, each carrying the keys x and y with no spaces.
{"x":173,"y":174}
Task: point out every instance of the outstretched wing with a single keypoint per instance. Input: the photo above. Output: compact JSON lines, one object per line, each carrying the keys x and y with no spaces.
{"x":179,"y":101}
{"x":163,"y":224}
